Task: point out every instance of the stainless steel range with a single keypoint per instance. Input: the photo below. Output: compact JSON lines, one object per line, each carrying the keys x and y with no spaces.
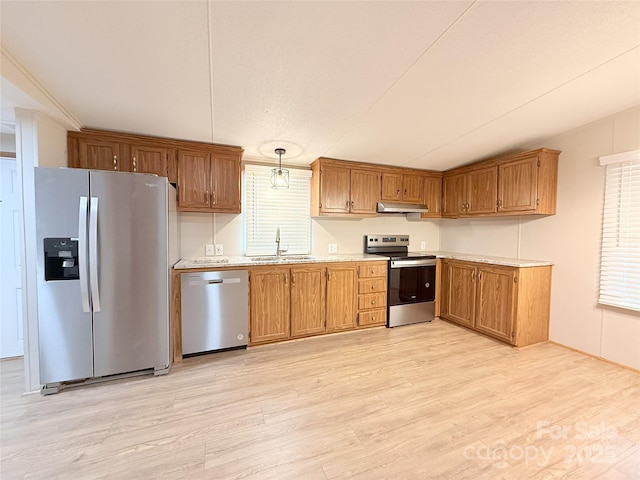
{"x":411,"y":279}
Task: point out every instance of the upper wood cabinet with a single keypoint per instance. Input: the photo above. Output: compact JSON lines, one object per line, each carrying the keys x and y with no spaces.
{"x":470,"y":193}
{"x":433,"y":196}
{"x":508,"y":303}
{"x":208,"y":181}
{"x":99,"y":150}
{"x":520,"y":184}
{"x":339,"y":190}
{"x":148,"y":159}
{"x":402,"y":187}
{"x":94,"y":153}
{"x":527,"y":183}
{"x":126,"y":152}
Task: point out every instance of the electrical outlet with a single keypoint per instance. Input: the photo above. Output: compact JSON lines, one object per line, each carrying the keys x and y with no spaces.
{"x":219,"y":249}
{"x":333,"y":248}
{"x":423,"y":245}
{"x":208,"y":249}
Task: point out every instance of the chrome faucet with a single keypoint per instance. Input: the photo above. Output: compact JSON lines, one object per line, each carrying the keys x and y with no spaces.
{"x":279,"y":250}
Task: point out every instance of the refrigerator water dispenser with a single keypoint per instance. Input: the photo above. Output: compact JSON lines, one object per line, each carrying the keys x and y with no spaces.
{"x":61,"y":259}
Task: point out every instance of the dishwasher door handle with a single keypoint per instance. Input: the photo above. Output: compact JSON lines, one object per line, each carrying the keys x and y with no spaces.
{"x":215,"y":281}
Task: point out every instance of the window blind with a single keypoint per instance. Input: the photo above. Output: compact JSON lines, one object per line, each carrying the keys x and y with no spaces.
{"x":267,"y":209}
{"x":620,"y":255}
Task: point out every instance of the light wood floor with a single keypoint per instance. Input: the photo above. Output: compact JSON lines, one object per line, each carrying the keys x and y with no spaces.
{"x":415,"y":402}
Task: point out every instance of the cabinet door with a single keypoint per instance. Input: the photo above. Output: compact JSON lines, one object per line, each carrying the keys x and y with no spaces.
{"x":518,"y":185}
{"x":334,"y":190}
{"x":454,"y":196}
{"x":307,"y":300}
{"x":194,"y":177}
{"x":341,"y":298}
{"x":495,"y":308}
{"x":149,"y":160}
{"x":482,"y":191}
{"x":460,"y":292}
{"x":432,"y":197}
{"x":365,"y":190}
{"x":391,"y":187}
{"x":225,"y":180}
{"x":99,"y":155}
{"x":269,"y":305}
{"x":412,"y":188}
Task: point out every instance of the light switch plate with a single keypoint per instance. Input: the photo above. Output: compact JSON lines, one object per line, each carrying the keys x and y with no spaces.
{"x":208,"y":249}
{"x":423,"y":245}
{"x":219,"y":249}
{"x":333,"y":248}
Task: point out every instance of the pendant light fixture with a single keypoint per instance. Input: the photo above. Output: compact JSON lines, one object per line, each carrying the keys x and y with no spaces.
{"x":280,"y":176}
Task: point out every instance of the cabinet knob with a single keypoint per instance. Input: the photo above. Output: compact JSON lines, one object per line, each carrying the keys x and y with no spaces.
{"x":115,"y":162}
{"x":373,"y":287}
{"x":373,"y":302}
{"x":134,"y":164}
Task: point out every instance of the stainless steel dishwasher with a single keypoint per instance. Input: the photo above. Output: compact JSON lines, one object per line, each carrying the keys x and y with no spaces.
{"x":215,"y":311}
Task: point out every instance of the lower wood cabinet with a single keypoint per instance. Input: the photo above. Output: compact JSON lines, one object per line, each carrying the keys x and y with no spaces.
{"x":372,"y":294}
{"x":308,"y":286}
{"x":508,"y":303}
{"x":269,"y":305}
{"x":341,"y":297}
{"x":312,"y":299}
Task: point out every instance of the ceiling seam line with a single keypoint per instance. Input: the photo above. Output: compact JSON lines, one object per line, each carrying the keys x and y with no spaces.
{"x":424,"y":52}
{"x":523,"y":105}
{"x":210,"y":55}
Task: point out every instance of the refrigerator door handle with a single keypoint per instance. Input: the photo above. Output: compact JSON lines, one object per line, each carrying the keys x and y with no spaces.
{"x":82,"y":254}
{"x":93,"y":253}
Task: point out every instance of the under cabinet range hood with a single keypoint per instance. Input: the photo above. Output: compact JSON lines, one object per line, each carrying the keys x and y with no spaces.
{"x":392,"y":207}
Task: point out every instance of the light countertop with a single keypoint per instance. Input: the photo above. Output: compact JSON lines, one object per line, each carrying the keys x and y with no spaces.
{"x":241,"y":261}
{"x":506,"y":261}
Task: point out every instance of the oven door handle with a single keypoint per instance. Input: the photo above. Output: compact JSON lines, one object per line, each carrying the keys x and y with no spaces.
{"x":413,"y":263}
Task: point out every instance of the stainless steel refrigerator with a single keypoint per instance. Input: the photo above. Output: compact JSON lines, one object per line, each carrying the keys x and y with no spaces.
{"x":103,"y":273}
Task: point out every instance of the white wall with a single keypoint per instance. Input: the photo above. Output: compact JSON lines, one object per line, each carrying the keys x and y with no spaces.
{"x":198,"y":229}
{"x":571,"y":239}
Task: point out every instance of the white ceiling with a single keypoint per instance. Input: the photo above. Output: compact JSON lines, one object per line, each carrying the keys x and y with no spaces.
{"x":423,"y":84}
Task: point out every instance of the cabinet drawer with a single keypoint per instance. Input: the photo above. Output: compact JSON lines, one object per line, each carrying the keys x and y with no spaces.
{"x":373,"y":300}
{"x":372,"y":317}
{"x":373,"y":270}
{"x":373,"y":285}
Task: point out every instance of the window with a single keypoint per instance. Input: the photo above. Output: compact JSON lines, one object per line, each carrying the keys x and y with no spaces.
{"x":267,"y":209}
{"x":620,"y":257}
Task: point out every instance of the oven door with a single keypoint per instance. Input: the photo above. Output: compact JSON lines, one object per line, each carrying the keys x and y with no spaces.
{"x":412,"y":291}
{"x":411,"y":282}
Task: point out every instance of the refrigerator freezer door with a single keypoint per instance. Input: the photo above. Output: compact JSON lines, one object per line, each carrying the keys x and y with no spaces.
{"x":64,"y":330}
{"x":131,"y":330}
